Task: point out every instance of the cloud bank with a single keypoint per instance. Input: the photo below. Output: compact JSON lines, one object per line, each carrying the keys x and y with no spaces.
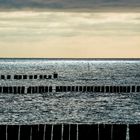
{"x":62,"y":4}
{"x":25,"y":26}
{"x":69,"y":34}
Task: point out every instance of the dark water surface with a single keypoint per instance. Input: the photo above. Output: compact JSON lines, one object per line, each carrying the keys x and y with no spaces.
{"x":76,"y":107}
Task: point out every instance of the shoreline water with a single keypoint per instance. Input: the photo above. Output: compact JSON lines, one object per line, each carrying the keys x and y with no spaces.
{"x":76,"y":107}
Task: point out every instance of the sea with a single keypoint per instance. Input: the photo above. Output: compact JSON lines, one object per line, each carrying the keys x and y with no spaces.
{"x":71,"y":107}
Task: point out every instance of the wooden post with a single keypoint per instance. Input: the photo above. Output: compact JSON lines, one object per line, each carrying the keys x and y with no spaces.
{"x":49,"y":76}
{"x":24,"y":76}
{"x":2,"y":77}
{"x":22,"y":89}
{"x":0,"y":89}
{"x":50,"y":88}
{"x":46,"y":89}
{"x":30,"y":76}
{"x":35,"y":76}
{"x":55,"y":75}
{"x":133,"y":88}
{"x":69,"y":88}
{"x":8,"y":76}
{"x":138,"y":88}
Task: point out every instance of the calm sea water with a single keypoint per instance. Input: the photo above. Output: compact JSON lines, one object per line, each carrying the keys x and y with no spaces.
{"x":71,"y":107}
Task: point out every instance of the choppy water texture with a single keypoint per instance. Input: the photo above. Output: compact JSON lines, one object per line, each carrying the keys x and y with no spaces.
{"x":71,"y":107}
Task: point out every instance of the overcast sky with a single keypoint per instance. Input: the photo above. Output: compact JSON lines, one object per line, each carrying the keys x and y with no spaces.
{"x":69,"y":34}
{"x":25,"y":32}
{"x":61,"y":4}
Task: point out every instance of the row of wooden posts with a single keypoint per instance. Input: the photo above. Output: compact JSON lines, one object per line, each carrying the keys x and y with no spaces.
{"x":70,"y":132}
{"x":106,"y":89}
{"x":20,"y":77}
{"x":45,"y":89}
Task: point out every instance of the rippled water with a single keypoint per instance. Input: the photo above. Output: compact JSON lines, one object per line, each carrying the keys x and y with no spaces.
{"x":71,"y":107}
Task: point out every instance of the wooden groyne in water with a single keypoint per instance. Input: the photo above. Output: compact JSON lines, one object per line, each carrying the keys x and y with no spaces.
{"x":30,"y":77}
{"x":65,"y":88}
{"x":65,"y":131}
{"x":70,"y":132}
{"x":46,"y":89}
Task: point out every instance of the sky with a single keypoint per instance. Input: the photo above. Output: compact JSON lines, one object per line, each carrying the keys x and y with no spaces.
{"x":70,"y":28}
{"x":62,"y":4}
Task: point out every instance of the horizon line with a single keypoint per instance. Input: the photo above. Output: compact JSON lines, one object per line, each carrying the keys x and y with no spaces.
{"x":80,"y":59}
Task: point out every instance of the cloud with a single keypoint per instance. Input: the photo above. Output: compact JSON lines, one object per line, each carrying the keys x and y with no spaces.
{"x":35,"y":26}
{"x":60,"y":4}
{"x":69,"y":34}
